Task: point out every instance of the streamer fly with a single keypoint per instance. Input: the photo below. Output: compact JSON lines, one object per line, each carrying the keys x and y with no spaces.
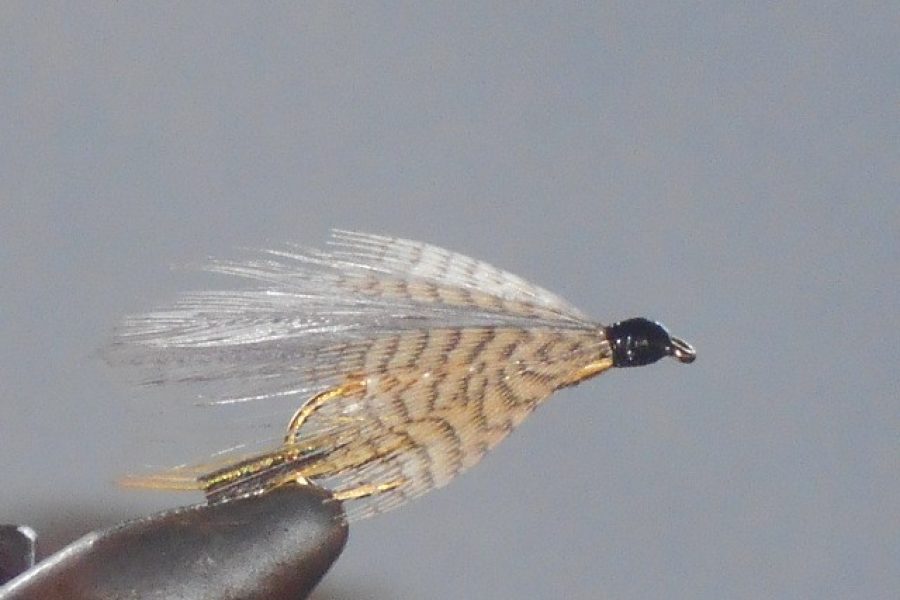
{"x":406,"y":364}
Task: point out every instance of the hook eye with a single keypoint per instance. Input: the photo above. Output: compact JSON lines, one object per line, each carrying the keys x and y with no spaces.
{"x":682,"y":351}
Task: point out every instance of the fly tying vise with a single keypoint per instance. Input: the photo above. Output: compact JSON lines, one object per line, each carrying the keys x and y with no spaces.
{"x":414,"y":361}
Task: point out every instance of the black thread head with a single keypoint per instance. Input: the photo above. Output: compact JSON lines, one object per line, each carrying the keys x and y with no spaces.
{"x":638,"y":342}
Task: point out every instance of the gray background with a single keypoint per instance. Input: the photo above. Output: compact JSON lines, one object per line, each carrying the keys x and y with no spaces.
{"x":732,"y":171}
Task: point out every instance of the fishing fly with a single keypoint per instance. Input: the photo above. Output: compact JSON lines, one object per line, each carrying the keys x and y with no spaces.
{"x":406,"y":364}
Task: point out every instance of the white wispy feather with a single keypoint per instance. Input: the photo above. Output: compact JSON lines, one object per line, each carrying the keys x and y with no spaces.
{"x":308,"y":324}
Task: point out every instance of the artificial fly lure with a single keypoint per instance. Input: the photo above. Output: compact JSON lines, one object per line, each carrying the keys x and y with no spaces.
{"x":407,"y":363}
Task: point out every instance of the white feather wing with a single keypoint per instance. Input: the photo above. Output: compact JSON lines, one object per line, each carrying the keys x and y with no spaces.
{"x":316,"y":313}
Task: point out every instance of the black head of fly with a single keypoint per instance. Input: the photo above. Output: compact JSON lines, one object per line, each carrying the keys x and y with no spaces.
{"x":638,"y":342}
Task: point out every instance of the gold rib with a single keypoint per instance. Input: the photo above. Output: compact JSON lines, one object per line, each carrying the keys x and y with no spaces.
{"x":244,"y":469}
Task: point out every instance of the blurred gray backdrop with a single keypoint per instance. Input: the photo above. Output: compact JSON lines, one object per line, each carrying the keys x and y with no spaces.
{"x":733,"y":171}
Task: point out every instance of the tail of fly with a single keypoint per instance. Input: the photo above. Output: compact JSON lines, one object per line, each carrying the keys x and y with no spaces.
{"x":184,"y":479}
{"x":228,"y":480}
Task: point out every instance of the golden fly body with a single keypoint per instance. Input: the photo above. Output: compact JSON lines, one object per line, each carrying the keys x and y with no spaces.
{"x":408,"y":363}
